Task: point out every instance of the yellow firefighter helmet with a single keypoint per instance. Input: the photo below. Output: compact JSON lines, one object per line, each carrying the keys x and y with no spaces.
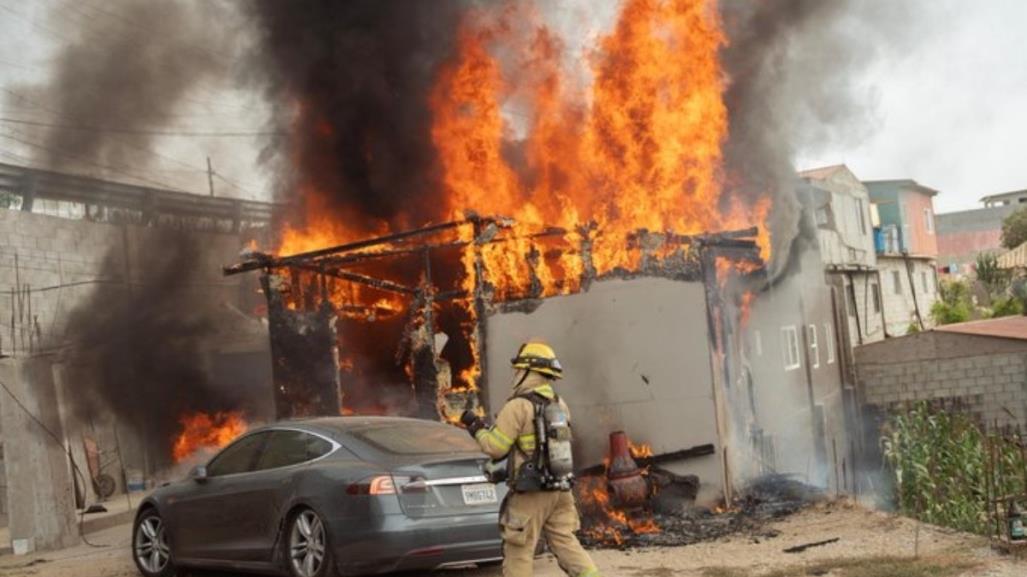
{"x":538,"y":357}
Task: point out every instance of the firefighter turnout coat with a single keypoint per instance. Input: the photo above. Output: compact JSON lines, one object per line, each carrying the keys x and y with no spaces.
{"x":527,"y":516}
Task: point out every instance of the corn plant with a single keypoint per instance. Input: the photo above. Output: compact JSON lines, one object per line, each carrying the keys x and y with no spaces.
{"x":940,"y":464}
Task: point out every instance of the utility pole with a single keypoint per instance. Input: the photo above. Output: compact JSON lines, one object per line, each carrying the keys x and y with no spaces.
{"x":210,"y":177}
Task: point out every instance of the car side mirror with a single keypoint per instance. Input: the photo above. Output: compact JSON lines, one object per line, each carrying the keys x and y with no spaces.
{"x":199,"y":473}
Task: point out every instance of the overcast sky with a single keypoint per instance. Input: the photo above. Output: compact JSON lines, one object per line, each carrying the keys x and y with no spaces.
{"x":952,"y":111}
{"x":949,"y":107}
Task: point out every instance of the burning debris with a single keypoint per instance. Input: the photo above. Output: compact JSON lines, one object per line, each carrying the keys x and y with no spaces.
{"x":630,"y":501}
{"x":768,"y":498}
{"x":201,"y":431}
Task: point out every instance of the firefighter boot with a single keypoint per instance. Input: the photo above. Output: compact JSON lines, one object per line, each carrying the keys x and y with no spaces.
{"x":526,"y":516}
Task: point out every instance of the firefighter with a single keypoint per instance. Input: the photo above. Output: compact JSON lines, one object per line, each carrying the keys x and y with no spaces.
{"x":533,"y":432}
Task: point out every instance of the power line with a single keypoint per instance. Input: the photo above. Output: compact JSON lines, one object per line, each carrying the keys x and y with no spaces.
{"x":92,"y":163}
{"x":140,"y":131}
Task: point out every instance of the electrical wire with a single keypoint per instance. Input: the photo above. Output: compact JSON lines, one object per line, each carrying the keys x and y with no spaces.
{"x":67,"y":450}
{"x":96,"y":164}
{"x":141,"y":131}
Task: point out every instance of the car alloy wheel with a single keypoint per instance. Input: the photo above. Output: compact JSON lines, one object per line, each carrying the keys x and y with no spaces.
{"x":308,"y":544}
{"x":152,"y":552}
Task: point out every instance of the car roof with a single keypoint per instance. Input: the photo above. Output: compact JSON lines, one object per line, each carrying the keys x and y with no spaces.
{"x":334,"y":426}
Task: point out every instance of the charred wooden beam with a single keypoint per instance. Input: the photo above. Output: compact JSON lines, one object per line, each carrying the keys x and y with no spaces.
{"x":292,"y":260}
{"x":683,"y":454}
{"x":304,"y":364}
{"x":376,"y":283}
{"x":258,"y":261}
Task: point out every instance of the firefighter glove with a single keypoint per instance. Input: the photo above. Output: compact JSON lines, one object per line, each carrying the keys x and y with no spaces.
{"x":472,"y":421}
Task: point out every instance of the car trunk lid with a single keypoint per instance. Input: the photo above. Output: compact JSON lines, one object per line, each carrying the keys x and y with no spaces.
{"x":452,"y":485}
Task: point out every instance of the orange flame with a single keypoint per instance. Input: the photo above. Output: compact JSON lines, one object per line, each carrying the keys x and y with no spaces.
{"x":206,"y":431}
{"x":637,"y":147}
{"x":641,"y":451}
{"x":608,"y":524}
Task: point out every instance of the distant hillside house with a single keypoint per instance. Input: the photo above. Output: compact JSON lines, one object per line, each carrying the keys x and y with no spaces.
{"x":965,"y":234}
{"x":906,"y":243}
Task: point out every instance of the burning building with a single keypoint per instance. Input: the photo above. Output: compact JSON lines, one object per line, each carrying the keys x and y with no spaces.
{"x":462,"y":184}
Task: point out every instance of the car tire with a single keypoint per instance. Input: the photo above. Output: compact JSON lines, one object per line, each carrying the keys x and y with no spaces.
{"x":307,"y":550}
{"x":151,"y":549}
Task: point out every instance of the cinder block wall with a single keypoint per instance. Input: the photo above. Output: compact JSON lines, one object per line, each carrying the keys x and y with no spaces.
{"x":49,"y":265}
{"x":986,"y":375}
{"x":38,"y":252}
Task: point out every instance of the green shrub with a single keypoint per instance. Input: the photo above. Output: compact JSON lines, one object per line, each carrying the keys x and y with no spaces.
{"x":944,"y":313}
{"x":955,"y":305}
{"x":1006,"y":306}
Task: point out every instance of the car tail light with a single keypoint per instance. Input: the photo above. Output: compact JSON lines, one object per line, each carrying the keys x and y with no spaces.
{"x":377,"y":485}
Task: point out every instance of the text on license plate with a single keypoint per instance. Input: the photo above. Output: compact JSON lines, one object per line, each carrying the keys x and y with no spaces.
{"x":479,"y":494}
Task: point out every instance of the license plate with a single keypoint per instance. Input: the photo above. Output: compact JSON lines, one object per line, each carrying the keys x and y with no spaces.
{"x":479,"y":494}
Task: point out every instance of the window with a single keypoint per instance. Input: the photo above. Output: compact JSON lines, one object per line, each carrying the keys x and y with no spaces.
{"x":814,"y":347}
{"x":850,"y":299}
{"x":790,"y":348}
{"x":286,"y":448}
{"x":239,"y":457}
{"x":896,"y":282}
{"x":416,"y":438}
{"x":923,"y":279}
{"x":928,"y":221}
{"x":822,"y":218}
{"x":829,"y":337}
{"x":875,"y":295}
{"x":861,"y":216}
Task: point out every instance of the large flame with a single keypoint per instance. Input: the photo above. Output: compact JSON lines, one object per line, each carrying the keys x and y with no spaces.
{"x":627,"y":140}
{"x":639,"y":147}
{"x":206,"y":431}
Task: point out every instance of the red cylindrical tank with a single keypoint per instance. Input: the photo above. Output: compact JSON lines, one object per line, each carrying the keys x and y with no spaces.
{"x":627,"y":486}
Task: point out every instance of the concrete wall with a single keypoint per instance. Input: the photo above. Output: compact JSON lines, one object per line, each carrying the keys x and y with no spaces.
{"x":899,"y":307}
{"x":636,"y":358}
{"x":987,"y":375}
{"x":39,"y":490}
{"x":50,"y":265}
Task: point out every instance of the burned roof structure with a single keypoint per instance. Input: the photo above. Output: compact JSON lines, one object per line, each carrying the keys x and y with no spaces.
{"x":394,"y":324}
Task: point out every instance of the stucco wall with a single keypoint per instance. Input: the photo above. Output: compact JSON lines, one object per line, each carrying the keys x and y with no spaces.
{"x":636,"y":358}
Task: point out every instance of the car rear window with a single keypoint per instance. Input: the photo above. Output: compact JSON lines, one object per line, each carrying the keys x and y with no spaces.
{"x":416,"y":438}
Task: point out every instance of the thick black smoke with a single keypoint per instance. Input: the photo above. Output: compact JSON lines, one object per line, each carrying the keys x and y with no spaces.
{"x":794,"y":68}
{"x":349,"y":82}
{"x":126,"y":65}
{"x":137,"y":345}
{"x":125,"y":70}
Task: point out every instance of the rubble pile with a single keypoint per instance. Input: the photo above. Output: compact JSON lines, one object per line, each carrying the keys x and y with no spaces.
{"x":764,"y":500}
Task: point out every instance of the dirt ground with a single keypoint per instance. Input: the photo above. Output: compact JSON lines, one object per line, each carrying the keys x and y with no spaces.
{"x":870,"y":544}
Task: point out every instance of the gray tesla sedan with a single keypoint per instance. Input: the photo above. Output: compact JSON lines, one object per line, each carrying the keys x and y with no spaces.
{"x":326,"y":496}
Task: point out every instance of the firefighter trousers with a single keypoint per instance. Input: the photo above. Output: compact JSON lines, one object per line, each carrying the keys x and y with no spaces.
{"x":527,"y":516}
